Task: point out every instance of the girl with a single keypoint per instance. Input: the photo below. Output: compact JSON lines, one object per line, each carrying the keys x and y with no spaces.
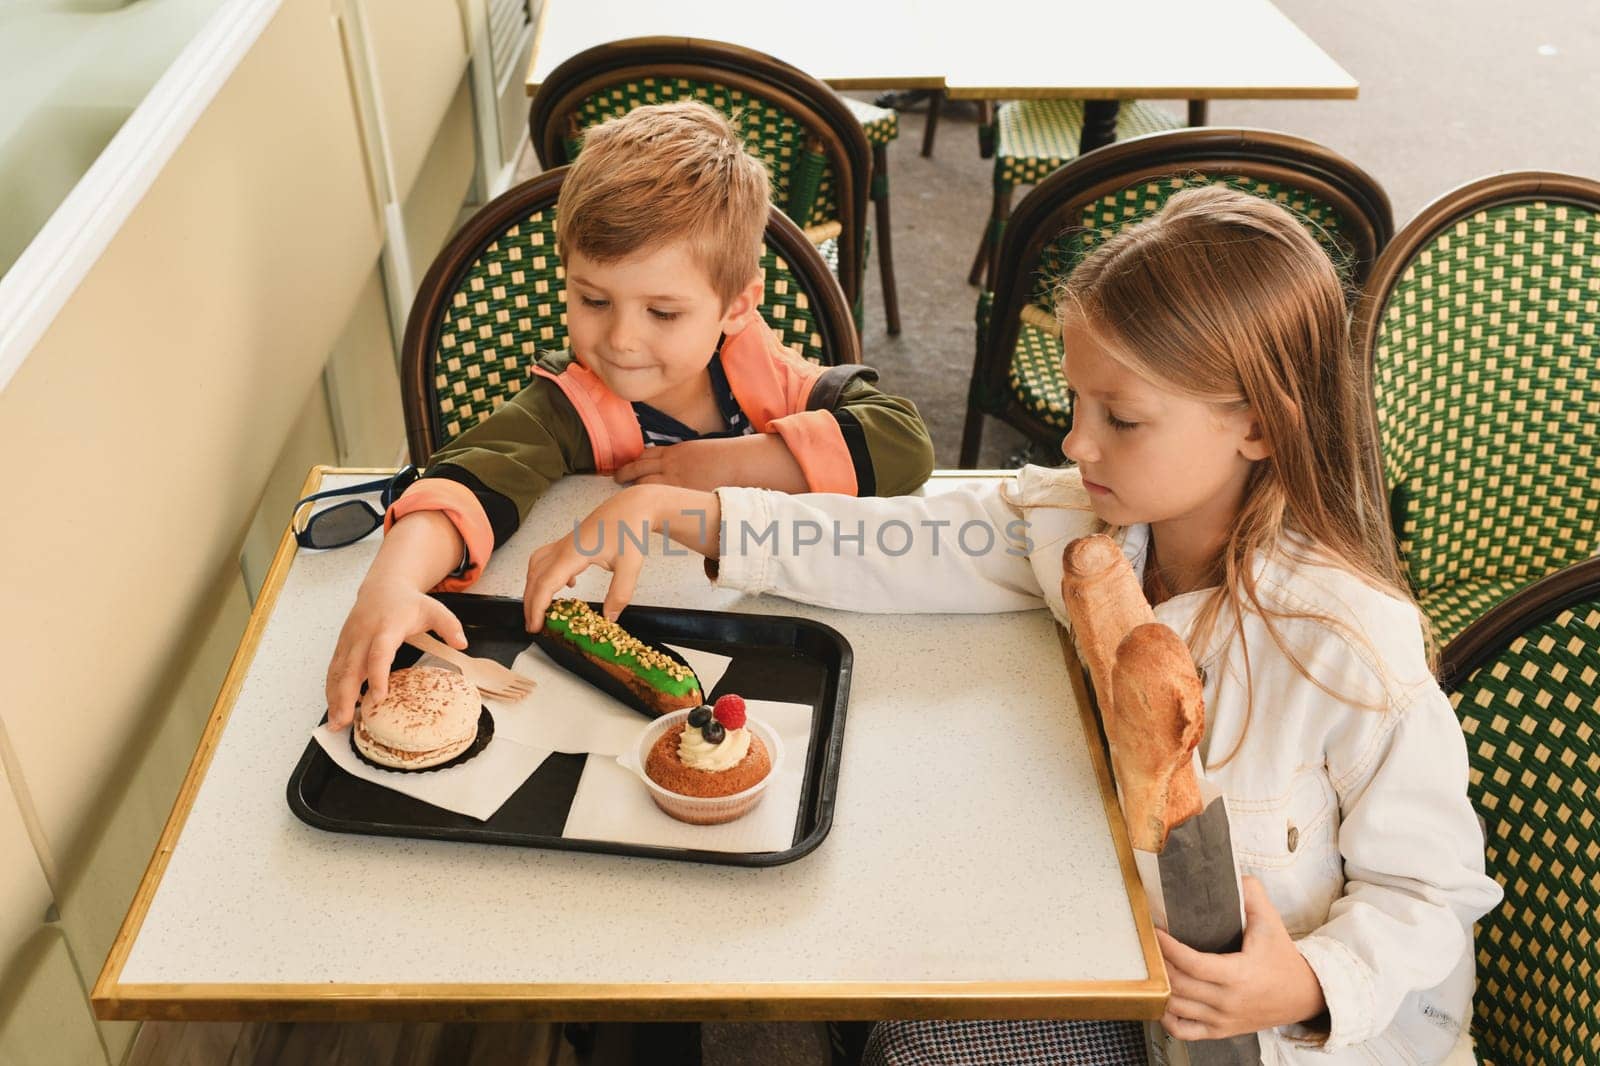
{"x":1222,"y":431}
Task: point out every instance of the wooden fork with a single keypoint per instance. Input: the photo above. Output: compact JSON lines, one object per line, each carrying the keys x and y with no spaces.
{"x":492,"y":680}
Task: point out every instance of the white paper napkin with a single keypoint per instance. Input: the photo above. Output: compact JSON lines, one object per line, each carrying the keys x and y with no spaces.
{"x":477,"y":788}
{"x":566,"y":713}
{"x":613,"y":804}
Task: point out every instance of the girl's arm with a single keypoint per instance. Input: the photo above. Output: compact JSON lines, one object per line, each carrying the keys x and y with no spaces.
{"x":955,"y":552}
{"x":961,"y":552}
{"x":1408,"y":848}
{"x":1413,"y":865}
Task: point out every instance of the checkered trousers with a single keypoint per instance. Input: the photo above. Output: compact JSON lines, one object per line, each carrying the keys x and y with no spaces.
{"x":1010,"y":1043}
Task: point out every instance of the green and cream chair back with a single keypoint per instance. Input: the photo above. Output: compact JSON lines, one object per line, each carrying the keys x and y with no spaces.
{"x":1017,"y":374}
{"x":496,"y":297}
{"x":1526,"y":685}
{"x":1032,"y":139}
{"x":812,"y":143}
{"x":1482,"y":331}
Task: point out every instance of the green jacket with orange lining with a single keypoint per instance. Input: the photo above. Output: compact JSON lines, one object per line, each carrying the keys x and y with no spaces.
{"x":846,"y":435}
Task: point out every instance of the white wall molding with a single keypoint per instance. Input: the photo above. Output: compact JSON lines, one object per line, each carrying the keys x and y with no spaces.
{"x":53,"y":265}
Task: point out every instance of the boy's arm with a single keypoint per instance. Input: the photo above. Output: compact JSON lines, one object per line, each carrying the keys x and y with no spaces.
{"x":500,"y":468}
{"x":883,"y":438}
{"x":439,"y":534}
{"x":851,"y":439}
{"x":758,"y":461}
{"x":392,"y":604}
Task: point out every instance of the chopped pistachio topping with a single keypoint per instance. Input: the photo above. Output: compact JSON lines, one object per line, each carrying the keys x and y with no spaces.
{"x":575,"y":618}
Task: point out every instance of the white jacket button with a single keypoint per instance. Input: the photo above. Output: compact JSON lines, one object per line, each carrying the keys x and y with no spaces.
{"x":1294,"y":838}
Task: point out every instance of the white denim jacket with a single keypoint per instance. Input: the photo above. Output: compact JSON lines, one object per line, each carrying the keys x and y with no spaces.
{"x":1351,"y":808}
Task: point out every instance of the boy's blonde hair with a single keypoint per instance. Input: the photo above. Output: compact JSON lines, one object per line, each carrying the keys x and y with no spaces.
{"x":1225,"y":297}
{"x":664,"y":173}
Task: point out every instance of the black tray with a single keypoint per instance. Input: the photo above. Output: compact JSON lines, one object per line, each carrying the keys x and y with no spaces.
{"x":774,"y":658}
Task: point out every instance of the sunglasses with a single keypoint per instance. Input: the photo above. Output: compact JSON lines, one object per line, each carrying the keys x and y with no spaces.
{"x":348,"y":522}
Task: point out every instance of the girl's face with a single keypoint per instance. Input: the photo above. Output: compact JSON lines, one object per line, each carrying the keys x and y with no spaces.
{"x":1148,"y":454}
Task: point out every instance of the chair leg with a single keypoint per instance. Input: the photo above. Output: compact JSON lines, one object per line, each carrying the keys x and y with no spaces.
{"x":935,"y":105}
{"x":880,"y":196}
{"x":666,"y":1044}
{"x":847,"y":1041}
{"x":981,"y":258}
{"x":997,"y":229}
{"x":971,"y":437}
{"x":1197,"y":112}
{"x":1099,"y":125}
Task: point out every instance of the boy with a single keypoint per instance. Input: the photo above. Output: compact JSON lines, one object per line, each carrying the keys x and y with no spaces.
{"x":672,"y":378}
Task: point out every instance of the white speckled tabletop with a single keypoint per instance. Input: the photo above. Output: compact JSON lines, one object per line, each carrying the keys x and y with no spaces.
{"x":971,"y":867}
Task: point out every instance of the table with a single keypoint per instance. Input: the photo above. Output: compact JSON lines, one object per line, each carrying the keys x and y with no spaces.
{"x":972,"y":870}
{"x":881,"y":45}
{"x":1001,"y":50}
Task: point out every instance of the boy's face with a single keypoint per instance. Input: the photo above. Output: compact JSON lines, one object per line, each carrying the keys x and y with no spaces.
{"x":1148,"y":454}
{"x":647,"y":324}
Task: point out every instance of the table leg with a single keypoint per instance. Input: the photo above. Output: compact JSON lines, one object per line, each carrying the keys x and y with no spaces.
{"x":902,"y":99}
{"x":1099,"y":125}
{"x":666,"y":1044}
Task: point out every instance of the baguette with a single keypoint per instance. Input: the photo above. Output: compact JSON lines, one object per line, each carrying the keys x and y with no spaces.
{"x":1160,"y":718}
{"x":1105,"y":603}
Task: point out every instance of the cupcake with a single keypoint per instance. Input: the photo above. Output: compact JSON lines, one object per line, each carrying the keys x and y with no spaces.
{"x":711,"y":756}
{"x":428,"y":717}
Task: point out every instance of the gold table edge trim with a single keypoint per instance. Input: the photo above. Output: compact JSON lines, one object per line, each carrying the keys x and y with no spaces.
{"x":114,"y":1000}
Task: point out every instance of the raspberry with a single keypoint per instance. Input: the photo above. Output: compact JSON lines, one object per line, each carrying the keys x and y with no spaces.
{"x":730,"y":711}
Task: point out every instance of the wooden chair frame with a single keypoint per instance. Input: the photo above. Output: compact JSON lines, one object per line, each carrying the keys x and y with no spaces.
{"x":1057,"y":204}
{"x":819,"y":109}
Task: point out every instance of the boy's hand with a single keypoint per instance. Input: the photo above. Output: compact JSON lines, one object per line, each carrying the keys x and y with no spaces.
{"x":1267,"y":983}
{"x":385,"y":614}
{"x":691,"y":518}
{"x":761,"y":460}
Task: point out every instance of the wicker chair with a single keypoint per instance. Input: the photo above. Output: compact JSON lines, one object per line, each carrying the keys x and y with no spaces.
{"x":1017,"y":374}
{"x":495,"y":297}
{"x":1032,"y":139}
{"x":1525,"y":682}
{"x":815,"y":144}
{"x":1481,"y":329}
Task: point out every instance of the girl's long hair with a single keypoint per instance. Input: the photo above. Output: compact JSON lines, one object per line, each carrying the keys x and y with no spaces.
{"x":1227,"y":298}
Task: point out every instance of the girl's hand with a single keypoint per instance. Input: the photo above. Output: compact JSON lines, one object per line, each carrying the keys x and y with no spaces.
{"x":610,"y":537}
{"x":386,"y":612}
{"x":1267,"y":983}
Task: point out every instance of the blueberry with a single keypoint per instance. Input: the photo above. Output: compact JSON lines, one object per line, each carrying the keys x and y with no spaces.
{"x":700,"y":715}
{"x":713,"y":732}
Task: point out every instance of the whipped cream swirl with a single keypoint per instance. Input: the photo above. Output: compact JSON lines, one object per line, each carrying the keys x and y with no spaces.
{"x":697,"y":753}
